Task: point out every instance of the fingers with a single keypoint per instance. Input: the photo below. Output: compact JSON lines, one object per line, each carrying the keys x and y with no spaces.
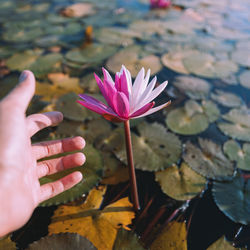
{"x":56,"y":165}
{"x":21,"y":95}
{"x":49,"y":148}
{"x":52,"y":189}
{"x":37,"y":122}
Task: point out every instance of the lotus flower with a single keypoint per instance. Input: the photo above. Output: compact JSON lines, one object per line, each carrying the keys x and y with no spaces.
{"x":124,"y":100}
{"x":160,"y":3}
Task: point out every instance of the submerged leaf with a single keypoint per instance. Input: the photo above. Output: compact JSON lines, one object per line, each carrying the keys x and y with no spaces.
{"x":186,"y":182}
{"x":208,"y":160}
{"x":233,"y":199}
{"x":62,"y":241}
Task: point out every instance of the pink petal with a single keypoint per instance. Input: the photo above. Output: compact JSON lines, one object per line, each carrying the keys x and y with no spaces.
{"x":111,"y":92}
{"x":138,"y":84}
{"x":143,"y":110}
{"x":121,"y":104}
{"x":124,"y":84}
{"x":153,"y":110}
{"x":101,"y":87}
{"x":107,"y":76}
{"x":95,"y":105}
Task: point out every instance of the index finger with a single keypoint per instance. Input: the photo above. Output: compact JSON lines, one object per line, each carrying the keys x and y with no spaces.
{"x":49,"y":148}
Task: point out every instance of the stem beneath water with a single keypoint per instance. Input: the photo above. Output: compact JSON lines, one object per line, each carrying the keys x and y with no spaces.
{"x":132,"y":176}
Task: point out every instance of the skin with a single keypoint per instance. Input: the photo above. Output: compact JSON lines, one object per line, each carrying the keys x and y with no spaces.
{"x":20,"y":190}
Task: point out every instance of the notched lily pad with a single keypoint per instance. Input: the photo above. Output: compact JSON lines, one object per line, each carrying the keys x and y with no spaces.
{"x":208,"y":160}
{"x":186,"y":182}
{"x":187,"y":120}
{"x":211,"y":110}
{"x":126,"y":240}
{"x":71,"y":109}
{"x":227,"y":99}
{"x":238,"y":154}
{"x":63,"y":241}
{"x":151,"y":150}
{"x":193,"y":87}
{"x":245,"y":79}
{"x":92,"y":171}
{"x":134,"y":58}
{"x":233,"y":199}
{"x":238,"y":126}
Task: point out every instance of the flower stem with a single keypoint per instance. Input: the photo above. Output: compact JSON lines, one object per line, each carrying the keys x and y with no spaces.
{"x":132,"y":176}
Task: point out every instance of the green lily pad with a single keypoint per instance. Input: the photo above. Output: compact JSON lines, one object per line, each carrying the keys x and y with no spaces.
{"x":238,"y":154}
{"x":92,"y":171}
{"x":187,"y":120}
{"x":21,"y":61}
{"x":211,"y":110}
{"x":63,"y":241}
{"x":239,"y":126}
{"x":116,"y":36}
{"x":126,"y":240}
{"x":227,"y":99}
{"x":233,"y":199}
{"x":244,"y":78}
{"x":208,"y":160}
{"x":186,"y":182}
{"x":134,"y":59}
{"x":45,"y":64}
{"x":193,"y":87}
{"x":7,"y":84}
{"x":88,"y":84}
{"x":206,"y":65}
{"x":174,"y":60}
{"x":92,"y":54}
{"x":241,"y":57}
{"x":72,"y":110}
{"x":151,"y":150}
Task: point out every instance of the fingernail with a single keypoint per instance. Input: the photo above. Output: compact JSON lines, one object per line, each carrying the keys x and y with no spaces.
{"x":23,"y":76}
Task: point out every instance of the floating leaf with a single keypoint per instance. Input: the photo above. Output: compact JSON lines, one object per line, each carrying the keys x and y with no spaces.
{"x":172,"y":237}
{"x":71,"y":109}
{"x":78,"y":10}
{"x":202,"y":64}
{"x":88,"y":83}
{"x":241,"y":57}
{"x":62,"y":241}
{"x":193,"y":87}
{"x":227,"y":99}
{"x":186,"y":121}
{"x":151,"y":150}
{"x":92,"y":171}
{"x":92,"y":54}
{"x":174,"y":60}
{"x":233,"y":199}
{"x":238,"y":154}
{"x":99,"y":226}
{"x":186,"y":182}
{"x":45,"y":64}
{"x":211,"y":110}
{"x":221,"y":244}
{"x":239,"y":128}
{"x":208,"y":160}
{"x":126,"y":240}
{"x":7,"y":244}
{"x":134,"y":59}
{"x":66,"y":82}
{"x":245,"y":79}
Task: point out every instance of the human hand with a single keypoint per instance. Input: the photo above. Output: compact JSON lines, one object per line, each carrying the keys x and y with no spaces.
{"x":20,"y":190}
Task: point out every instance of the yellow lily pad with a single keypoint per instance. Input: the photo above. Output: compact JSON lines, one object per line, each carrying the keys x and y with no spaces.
{"x":186,"y":182}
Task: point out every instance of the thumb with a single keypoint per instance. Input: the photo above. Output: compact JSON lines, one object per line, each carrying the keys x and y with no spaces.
{"x":22,"y":94}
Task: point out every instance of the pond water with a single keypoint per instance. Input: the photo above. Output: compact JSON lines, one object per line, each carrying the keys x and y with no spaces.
{"x":192,"y":158}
